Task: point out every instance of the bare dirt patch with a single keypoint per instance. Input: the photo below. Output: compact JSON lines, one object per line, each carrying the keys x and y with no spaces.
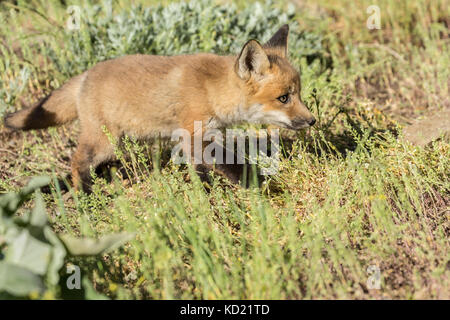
{"x":423,"y":131}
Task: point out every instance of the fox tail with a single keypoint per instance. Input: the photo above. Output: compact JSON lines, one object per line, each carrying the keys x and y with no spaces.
{"x":57,"y":108}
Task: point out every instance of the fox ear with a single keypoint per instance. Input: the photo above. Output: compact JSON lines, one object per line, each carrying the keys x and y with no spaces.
{"x":278,"y":42}
{"x":252,"y":59}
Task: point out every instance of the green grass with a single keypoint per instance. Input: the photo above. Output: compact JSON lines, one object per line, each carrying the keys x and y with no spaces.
{"x":350,"y":193}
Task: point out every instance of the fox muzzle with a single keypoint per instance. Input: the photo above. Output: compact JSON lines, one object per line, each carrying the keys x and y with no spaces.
{"x":302,"y":123}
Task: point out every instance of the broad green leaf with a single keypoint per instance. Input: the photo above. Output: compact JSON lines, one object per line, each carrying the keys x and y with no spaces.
{"x":29,"y":252}
{"x":35,"y":183}
{"x":57,"y":257}
{"x":23,"y":220}
{"x":10,"y":202}
{"x":39,"y":214}
{"x":91,"y":247}
{"x":18,"y":281}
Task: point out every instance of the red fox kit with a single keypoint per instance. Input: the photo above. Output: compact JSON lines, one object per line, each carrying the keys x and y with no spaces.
{"x":146,"y":96}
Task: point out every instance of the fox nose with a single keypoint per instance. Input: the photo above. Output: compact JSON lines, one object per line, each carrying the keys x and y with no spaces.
{"x":312,"y":121}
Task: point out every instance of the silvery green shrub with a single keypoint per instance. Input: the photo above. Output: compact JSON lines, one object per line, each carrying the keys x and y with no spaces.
{"x":177,"y":28}
{"x":32,"y":255}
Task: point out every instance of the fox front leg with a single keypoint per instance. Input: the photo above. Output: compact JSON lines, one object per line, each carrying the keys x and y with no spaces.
{"x":90,"y":153}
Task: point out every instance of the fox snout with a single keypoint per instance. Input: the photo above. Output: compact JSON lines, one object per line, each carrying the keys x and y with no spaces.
{"x":301,"y":118}
{"x":302,"y":123}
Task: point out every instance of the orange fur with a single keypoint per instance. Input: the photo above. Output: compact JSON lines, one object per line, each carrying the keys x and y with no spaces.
{"x":145,"y":96}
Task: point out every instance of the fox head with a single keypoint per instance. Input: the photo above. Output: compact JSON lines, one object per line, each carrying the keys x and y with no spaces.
{"x":271,"y":84}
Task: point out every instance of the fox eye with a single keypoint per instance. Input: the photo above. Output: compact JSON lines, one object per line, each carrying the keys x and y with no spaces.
{"x":283,"y":98}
